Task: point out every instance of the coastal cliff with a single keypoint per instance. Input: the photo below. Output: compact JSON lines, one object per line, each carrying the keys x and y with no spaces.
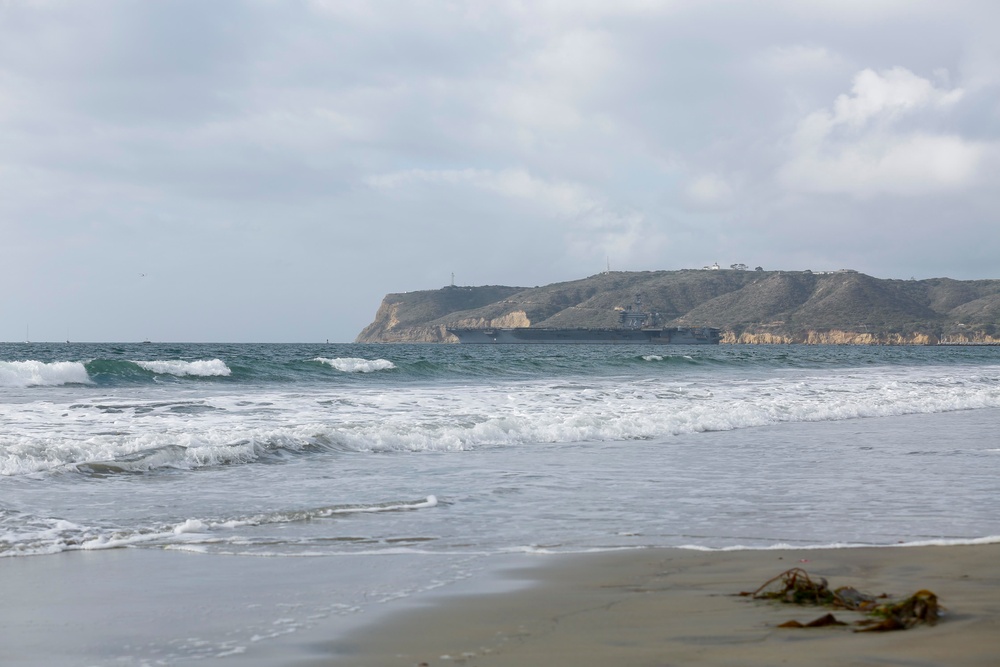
{"x":421,"y":317}
{"x":755,"y":307}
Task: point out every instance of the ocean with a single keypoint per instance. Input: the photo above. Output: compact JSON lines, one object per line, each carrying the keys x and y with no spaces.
{"x":404,"y":469}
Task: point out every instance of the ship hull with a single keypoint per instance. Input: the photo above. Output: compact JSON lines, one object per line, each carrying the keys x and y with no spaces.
{"x":543,"y":336}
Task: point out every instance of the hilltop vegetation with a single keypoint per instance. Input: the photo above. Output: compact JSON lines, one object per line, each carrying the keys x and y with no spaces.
{"x":749,"y":306}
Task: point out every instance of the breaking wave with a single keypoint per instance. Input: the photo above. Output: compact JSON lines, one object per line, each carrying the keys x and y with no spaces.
{"x":41,"y":374}
{"x":22,"y":534}
{"x":34,"y":373}
{"x":356,"y":365}
{"x":113,"y":435}
{"x":204,"y":368}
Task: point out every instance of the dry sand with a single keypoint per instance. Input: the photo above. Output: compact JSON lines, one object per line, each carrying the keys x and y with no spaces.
{"x":675,"y":607}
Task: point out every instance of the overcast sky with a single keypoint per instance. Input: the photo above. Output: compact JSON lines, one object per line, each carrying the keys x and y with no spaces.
{"x":268,"y":170}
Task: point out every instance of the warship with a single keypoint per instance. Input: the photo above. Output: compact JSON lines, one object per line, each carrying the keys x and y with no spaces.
{"x":635,"y":326}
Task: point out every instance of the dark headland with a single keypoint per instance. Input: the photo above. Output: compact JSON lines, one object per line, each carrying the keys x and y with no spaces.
{"x":837,"y":307}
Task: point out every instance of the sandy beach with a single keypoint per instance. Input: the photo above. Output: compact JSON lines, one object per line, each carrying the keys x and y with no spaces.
{"x":658,"y":607}
{"x":676,"y":607}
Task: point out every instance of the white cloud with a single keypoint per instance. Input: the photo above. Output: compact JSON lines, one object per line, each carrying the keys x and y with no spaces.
{"x":552,"y":198}
{"x":913,"y":164}
{"x":798,"y":59}
{"x":626,"y":238}
{"x":560,"y":11}
{"x":887,"y":96}
{"x":590,"y":226}
{"x":709,"y":190}
{"x":873,"y":141}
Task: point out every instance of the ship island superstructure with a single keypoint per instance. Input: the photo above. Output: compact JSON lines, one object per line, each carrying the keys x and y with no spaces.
{"x":635,"y":326}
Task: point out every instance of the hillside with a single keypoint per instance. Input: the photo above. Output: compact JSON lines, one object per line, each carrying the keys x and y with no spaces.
{"x":749,"y":307}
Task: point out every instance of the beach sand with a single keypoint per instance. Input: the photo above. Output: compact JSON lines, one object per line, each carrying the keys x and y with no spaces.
{"x":647,"y":607}
{"x":679,"y":607}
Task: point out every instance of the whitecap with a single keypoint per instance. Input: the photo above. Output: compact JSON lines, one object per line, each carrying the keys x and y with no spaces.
{"x":200,"y":368}
{"x":190,"y":526}
{"x":357,"y":365}
{"x":41,"y":374}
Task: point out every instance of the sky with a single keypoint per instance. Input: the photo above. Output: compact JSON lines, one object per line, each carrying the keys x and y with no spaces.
{"x":266,"y":171}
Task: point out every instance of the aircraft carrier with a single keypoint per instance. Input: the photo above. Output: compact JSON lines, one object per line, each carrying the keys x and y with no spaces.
{"x":635,"y":327}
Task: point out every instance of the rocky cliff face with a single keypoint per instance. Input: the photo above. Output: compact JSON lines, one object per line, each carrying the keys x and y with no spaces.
{"x":829,"y":338}
{"x":387,"y":329}
{"x":518,"y":318}
{"x":766,"y":307}
{"x":422,"y":317}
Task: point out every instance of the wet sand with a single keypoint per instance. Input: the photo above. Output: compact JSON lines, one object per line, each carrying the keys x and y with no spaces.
{"x":657,"y":607}
{"x":676,"y":607}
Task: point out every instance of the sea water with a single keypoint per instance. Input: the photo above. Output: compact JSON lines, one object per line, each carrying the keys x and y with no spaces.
{"x":410,"y":467}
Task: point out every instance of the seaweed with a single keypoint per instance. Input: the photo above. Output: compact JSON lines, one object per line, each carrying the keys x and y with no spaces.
{"x":822,"y":621}
{"x":921,"y":607}
{"x":795,"y":586}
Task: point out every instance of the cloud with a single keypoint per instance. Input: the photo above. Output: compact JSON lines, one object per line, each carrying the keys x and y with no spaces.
{"x":795,"y":59}
{"x":900,"y":165}
{"x":553,"y":198}
{"x":709,"y":190}
{"x":326,"y":133}
{"x":889,"y":95}
{"x":560,"y":11}
{"x":883,"y":138}
{"x":591,"y":226}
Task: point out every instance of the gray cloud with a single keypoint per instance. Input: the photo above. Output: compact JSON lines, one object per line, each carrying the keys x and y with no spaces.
{"x":273,"y":168}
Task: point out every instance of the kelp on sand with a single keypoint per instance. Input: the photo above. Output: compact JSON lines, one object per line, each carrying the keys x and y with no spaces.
{"x":795,"y":586}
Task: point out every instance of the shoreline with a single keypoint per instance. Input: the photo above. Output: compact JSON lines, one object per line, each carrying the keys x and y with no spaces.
{"x":653,"y":606}
{"x":667,"y":606}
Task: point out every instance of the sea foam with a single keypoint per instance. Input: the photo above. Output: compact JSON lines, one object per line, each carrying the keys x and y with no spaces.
{"x":201,"y":368}
{"x":41,"y":374}
{"x":223,"y":429}
{"x":356,"y":365}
